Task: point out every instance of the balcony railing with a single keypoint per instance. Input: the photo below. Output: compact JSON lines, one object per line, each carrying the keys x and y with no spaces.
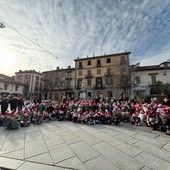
{"x":78,"y":87}
{"x":108,"y":74}
{"x":69,"y":78}
{"x":98,"y":65}
{"x":80,"y":67}
{"x":99,"y":86}
{"x":68,"y":88}
{"x":89,"y":75}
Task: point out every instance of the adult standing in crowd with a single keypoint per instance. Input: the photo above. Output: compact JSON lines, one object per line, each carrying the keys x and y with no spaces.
{"x":13,"y":103}
{"x":20,"y":103}
{"x":4,"y":105}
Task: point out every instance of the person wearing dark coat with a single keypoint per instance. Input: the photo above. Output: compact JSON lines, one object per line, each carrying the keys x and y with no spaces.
{"x":14,"y":103}
{"x":4,"y":105}
{"x":20,"y":103}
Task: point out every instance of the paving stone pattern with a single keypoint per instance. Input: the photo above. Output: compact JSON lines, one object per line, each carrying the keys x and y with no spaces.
{"x":65,"y":145}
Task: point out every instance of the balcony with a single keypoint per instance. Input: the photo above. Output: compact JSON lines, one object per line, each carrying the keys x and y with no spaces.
{"x":89,"y":76}
{"x":80,"y":67}
{"x":108,"y":74}
{"x":99,"y":86}
{"x":68,"y":87}
{"x":69,"y":78}
{"x":98,"y":65}
{"x":78,"y":87}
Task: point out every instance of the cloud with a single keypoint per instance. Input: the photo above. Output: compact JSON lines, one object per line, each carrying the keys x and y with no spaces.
{"x":77,"y":28}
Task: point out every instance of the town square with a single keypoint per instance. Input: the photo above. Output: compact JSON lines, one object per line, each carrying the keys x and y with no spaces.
{"x":84,"y":85}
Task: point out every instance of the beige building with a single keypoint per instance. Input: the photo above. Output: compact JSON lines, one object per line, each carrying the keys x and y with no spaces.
{"x":107,"y":75}
{"x":59,"y":83}
{"x":33,"y":81}
{"x":8,"y":85}
{"x":145,"y":76}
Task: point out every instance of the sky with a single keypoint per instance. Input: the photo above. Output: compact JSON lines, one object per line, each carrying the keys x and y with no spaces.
{"x":45,"y":34}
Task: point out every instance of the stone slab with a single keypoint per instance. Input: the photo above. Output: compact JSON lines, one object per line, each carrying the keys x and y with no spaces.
{"x":52,"y":139}
{"x":73,"y":162}
{"x":100,"y":163}
{"x":152,"y":161}
{"x":127,"y":139}
{"x":150,"y":140}
{"x":83,"y":151}
{"x":91,"y":139}
{"x":117,"y":157}
{"x":35,"y":148}
{"x":36,"y":166}
{"x":10,"y":163}
{"x":70,"y":137}
{"x":12,"y":145}
{"x":144,"y":146}
{"x":162,"y":154}
{"x":19,"y":154}
{"x":32,"y":136}
{"x":167,"y":147}
{"x":43,"y":158}
{"x":146,"y":133}
{"x":60,"y":152}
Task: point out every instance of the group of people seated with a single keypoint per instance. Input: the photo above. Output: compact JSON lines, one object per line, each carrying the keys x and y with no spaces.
{"x":152,"y":114}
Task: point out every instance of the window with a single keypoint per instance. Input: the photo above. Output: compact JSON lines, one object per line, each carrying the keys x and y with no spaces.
{"x":98,"y":62}
{"x":109,"y":71}
{"x":123,"y":60}
{"x":27,"y":76}
{"x":5,"y":86}
{"x":98,"y":71}
{"x":36,"y":83}
{"x":37,"y":77}
{"x":16,"y":87}
{"x":79,"y":82}
{"x":153,"y":79}
{"x":137,"y":79}
{"x":108,"y":60}
{"x":89,"y":82}
{"x":89,"y":63}
{"x":19,"y":77}
{"x":80,"y":73}
{"x":68,"y":83}
{"x":62,"y":84}
{"x":98,"y":82}
{"x":89,"y":94}
{"x":109,"y":81}
{"x":124,"y":80}
{"x":89,"y":72}
{"x":80,"y":65}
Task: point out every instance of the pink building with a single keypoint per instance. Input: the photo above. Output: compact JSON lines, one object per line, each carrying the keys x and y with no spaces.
{"x":33,"y":81}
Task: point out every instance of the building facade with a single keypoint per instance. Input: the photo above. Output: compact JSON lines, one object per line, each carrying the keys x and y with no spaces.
{"x":8,"y":85}
{"x":59,"y":83}
{"x":33,"y":81}
{"x":144,"y":77}
{"x":107,"y":75}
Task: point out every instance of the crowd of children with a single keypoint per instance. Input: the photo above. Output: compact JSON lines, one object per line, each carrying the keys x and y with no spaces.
{"x":152,"y":114}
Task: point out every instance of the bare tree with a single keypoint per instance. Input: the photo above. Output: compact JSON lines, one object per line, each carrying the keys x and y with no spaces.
{"x":52,"y":81}
{"x":122,"y":78}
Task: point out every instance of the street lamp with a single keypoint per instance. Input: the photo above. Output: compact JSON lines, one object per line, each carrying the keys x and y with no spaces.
{"x":2,"y":25}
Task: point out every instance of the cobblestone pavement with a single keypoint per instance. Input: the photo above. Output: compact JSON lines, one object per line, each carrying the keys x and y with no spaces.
{"x":65,"y":145}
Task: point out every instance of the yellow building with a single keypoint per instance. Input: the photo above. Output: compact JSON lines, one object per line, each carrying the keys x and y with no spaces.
{"x":105,"y":76}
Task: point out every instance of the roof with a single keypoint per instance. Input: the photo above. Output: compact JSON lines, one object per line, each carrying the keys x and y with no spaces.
{"x":103,"y":56}
{"x":7,"y":79}
{"x":28,"y":71}
{"x":60,"y":70}
{"x":151,"y":68}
